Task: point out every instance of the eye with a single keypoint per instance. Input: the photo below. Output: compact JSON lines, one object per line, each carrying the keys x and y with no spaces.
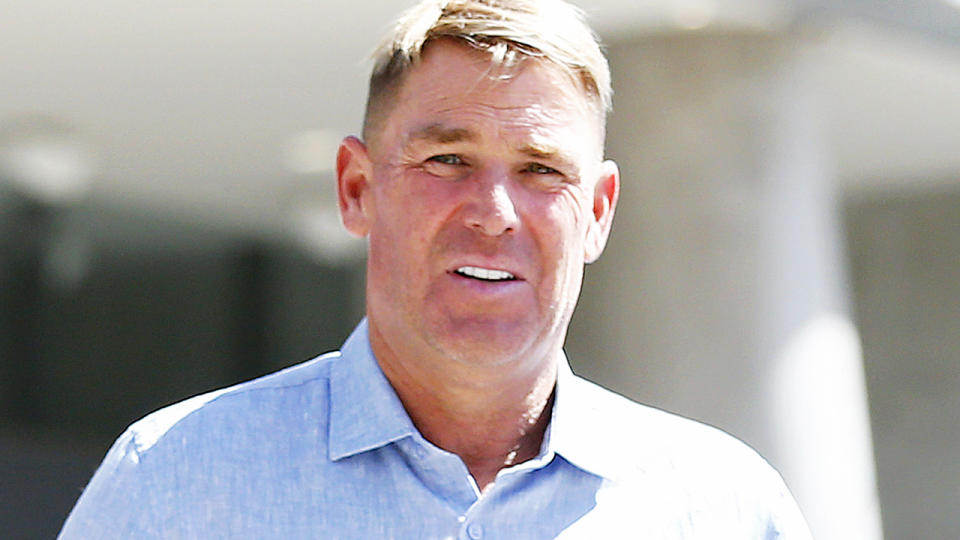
{"x":446,"y":159}
{"x":537,"y":168}
{"x":449,"y":166}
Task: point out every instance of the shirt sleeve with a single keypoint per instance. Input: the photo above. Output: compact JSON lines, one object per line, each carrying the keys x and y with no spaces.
{"x":113,"y":502}
{"x":786,"y":522}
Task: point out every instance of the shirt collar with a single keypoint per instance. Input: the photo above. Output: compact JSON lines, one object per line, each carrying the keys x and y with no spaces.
{"x":588,"y":430}
{"x":365,"y":412}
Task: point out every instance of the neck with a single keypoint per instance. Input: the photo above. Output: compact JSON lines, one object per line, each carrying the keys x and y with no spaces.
{"x":491,"y":415}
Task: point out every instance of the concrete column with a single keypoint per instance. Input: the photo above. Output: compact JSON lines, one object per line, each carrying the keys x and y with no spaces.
{"x":722,"y":295}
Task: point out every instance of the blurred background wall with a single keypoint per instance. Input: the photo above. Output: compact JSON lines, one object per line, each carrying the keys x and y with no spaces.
{"x":784,"y":265}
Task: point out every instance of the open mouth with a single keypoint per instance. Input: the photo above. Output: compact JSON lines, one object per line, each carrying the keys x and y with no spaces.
{"x":484,"y":274}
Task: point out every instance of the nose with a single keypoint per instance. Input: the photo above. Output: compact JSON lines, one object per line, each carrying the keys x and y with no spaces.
{"x":491,"y":209}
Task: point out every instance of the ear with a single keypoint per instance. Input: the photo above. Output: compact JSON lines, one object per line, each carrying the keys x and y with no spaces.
{"x":354,"y":172}
{"x":605,"y":195}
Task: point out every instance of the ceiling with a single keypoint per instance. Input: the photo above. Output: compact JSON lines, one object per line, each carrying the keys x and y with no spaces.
{"x":231,"y":111}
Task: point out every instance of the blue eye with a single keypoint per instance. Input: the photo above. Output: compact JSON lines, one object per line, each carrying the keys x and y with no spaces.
{"x":537,"y":168}
{"x":447,"y":159}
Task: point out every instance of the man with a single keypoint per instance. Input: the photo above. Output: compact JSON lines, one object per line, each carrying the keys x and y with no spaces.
{"x":450,"y":412}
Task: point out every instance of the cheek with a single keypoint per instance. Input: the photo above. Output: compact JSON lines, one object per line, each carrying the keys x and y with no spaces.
{"x":397,"y":207}
{"x":410,"y":217}
{"x":569,"y":215}
{"x":392,"y":233}
{"x":563,"y":226}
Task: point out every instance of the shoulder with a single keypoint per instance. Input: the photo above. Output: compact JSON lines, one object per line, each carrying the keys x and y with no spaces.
{"x":236,"y":407}
{"x":163,"y":464}
{"x":629,"y":423}
{"x":683,"y":468}
{"x":635,"y":440}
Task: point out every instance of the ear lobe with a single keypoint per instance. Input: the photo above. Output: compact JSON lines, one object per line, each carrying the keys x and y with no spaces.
{"x":605,"y":195}
{"x":354,"y":171}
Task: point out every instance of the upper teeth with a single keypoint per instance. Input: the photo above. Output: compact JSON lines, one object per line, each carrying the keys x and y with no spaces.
{"x":484,"y":273}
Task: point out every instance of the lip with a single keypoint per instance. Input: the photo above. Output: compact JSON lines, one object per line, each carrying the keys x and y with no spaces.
{"x":453,"y":271}
{"x":484,"y":290}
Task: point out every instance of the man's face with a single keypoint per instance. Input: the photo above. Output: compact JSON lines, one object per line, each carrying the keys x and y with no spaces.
{"x":482,"y":199}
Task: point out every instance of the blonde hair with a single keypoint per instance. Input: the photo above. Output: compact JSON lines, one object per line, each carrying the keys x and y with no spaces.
{"x":509,"y":30}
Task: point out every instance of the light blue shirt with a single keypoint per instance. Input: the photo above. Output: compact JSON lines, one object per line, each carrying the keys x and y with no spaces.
{"x":325,"y":449}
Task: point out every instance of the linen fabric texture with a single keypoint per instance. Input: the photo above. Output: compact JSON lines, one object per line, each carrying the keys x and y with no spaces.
{"x":325,"y":449}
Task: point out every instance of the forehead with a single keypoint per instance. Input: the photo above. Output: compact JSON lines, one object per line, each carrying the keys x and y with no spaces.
{"x":456,"y":86}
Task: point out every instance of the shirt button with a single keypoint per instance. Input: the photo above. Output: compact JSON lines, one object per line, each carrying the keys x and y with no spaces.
{"x":475,"y":531}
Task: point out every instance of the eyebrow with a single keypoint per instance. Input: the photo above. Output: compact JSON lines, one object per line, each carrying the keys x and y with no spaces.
{"x":443,"y":134}
{"x":539,"y":151}
{"x":439,"y":133}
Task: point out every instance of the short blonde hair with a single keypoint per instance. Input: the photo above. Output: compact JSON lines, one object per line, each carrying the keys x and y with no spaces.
{"x":509,"y":30}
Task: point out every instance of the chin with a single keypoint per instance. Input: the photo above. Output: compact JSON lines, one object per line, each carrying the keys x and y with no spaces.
{"x":485,"y":342}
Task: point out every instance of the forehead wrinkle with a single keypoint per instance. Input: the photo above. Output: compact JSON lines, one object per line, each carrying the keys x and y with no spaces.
{"x":529,"y":125}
